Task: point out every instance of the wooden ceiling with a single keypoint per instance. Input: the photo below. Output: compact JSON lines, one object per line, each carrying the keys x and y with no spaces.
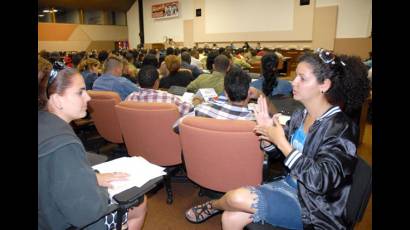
{"x":114,"y":5}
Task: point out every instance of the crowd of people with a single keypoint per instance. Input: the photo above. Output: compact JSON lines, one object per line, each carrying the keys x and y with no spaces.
{"x":318,"y":144}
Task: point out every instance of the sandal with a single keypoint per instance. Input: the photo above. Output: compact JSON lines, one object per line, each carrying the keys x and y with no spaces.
{"x":201,"y":213}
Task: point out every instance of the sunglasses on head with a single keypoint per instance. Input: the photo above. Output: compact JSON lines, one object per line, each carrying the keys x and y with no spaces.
{"x":57,"y":67}
{"x":327,"y":56}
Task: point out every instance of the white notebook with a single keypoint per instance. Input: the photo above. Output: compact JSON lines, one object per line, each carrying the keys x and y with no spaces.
{"x":139,"y":169}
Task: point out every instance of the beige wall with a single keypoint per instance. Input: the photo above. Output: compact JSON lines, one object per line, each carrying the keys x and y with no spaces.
{"x":133,"y":25}
{"x":354,"y":46}
{"x":156,"y":30}
{"x":188,"y":33}
{"x":302,"y":28}
{"x":316,"y":25}
{"x":324,"y":27}
{"x":354,"y":17}
{"x":76,"y":37}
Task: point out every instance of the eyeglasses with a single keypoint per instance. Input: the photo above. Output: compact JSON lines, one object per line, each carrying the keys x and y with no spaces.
{"x":57,"y":67}
{"x":327,"y":56}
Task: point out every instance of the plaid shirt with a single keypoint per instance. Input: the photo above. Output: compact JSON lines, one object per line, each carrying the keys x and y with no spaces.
{"x":219,"y":110}
{"x":152,"y":95}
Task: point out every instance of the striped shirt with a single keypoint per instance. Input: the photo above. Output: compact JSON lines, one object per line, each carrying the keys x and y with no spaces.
{"x":219,"y":110}
{"x":152,"y":95}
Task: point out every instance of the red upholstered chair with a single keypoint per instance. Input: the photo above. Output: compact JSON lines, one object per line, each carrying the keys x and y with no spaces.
{"x":147,"y":132}
{"x":102,"y":112}
{"x":221,"y":154}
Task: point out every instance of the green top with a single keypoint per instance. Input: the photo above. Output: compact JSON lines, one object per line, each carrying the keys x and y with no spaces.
{"x":255,"y":59}
{"x":243,"y":64}
{"x":214,"y":80}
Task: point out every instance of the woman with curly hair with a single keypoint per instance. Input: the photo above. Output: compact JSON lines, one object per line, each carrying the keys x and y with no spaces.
{"x":319,"y":145}
{"x":176,"y":76}
{"x":89,"y":69}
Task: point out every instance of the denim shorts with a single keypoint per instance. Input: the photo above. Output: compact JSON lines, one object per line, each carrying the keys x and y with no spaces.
{"x":277,"y":203}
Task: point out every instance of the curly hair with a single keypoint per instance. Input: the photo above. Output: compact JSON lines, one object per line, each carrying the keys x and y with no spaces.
{"x":44,"y":68}
{"x":348,"y":75}
{"x":173,"y":63}
{"x":87,"y":64}
{"x":269,"y":63}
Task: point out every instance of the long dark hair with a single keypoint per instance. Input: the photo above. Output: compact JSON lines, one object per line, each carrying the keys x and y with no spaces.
{"x":270,"y":74}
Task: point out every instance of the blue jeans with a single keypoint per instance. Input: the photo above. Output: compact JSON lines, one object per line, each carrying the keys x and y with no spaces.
{"x":277,"y":204}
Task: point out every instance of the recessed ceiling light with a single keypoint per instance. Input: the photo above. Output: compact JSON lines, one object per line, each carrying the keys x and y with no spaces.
{"x":41,"y":15}
{"x":46,"y":11}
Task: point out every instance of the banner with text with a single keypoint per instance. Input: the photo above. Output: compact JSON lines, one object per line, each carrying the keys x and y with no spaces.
{"x":165,"y":10}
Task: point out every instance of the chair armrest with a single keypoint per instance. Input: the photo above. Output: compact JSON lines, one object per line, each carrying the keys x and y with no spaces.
{"x":131,"y":197}
{"x":134,"y":196}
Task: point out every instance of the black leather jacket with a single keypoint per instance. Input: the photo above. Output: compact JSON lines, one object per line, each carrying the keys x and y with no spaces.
{"x":324,"y":168}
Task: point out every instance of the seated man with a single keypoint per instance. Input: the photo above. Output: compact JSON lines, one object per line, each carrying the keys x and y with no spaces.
{"x":240,"y":60}
{"x":186,"y":63}
{"x":236,"y":86}
{"x":112,"y":80}
{"x":195,"y":60}
{"x":148,"y":79}
{"x":215,"y":80}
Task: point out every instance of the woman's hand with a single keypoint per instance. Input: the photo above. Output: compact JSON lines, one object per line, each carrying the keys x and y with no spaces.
{"x":105,"y":179}
{"x":262,"y":113}
{"x":273,"y":133}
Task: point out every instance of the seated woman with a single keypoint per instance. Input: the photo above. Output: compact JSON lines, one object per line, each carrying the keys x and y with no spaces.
{"x":70,"y":193}
{"x":89,"y":70}
{"x":319,"y":145}
{"x":129,"y":71}
{"x":44,"y":68}
{"x":176,"y":76}
{"x":268,"y":83}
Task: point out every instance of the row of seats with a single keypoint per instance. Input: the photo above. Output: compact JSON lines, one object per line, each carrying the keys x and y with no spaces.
{"x":216,"y":153}
{"x":211,"y":147}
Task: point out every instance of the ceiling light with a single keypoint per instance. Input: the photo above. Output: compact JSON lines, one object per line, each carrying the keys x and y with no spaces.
{"x":46,"y":11}
{"x":54,"y":10}
{"x":41,"y":15}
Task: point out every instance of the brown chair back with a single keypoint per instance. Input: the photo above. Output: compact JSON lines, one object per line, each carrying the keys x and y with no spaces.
{"x":221,"y":154}
{"x":147,"y":131}
{"x":256,"y":68}
{"x":101,"y":109}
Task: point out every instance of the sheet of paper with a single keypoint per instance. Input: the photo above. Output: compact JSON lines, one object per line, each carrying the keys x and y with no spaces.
{"x":206,"y":93}
{"x":283,"y":119}
{"x":187,"y":97}
{"x":139,"y":169}
{"x":251,"y":106}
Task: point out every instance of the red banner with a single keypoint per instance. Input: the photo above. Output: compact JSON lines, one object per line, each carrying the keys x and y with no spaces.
{"x":165,"y":10}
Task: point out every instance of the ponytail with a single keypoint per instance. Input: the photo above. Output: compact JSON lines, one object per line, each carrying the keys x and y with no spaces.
{"x":269,"y":64}
{"x":354,"y":82}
